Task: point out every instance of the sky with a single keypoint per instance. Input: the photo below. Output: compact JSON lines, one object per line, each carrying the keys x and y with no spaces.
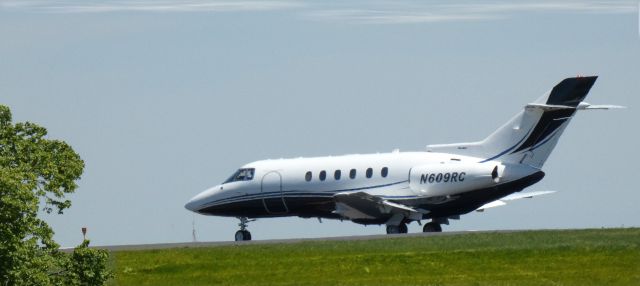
{"x":163,"y":99}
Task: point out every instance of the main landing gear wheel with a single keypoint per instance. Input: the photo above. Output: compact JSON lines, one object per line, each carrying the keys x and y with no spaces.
{"x":432,"y":227}
{"x":243,"y":234}
{"x":401,"y":228}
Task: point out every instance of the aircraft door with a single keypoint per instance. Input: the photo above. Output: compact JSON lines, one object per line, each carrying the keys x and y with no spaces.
{"x":271,"y":187}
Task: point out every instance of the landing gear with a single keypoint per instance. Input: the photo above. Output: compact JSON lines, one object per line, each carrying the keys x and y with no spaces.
{"x":432,"y":227}
{"x":243,"y":234}
{"x":401,"y":228}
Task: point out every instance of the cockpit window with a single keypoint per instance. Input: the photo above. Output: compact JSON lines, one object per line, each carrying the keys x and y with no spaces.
{"x":241,"y":175}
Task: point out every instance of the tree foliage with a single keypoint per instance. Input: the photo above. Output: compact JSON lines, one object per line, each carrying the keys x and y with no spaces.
{"x":35,"y":172}
{"x":86,"y":266}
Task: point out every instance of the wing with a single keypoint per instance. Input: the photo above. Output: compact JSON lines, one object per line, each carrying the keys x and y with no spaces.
{"x":512,"y":197}
{"x":361,"y":205}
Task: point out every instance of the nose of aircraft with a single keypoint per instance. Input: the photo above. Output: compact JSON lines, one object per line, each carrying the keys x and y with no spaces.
{"x":196,"y":203}
{"x":192,"y":205}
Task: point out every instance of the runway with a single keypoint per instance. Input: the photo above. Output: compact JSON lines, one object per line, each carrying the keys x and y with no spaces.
{"x":287,"y":241}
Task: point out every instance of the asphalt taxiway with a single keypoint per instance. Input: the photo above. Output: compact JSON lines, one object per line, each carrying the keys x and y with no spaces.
{"x":288,"y":241}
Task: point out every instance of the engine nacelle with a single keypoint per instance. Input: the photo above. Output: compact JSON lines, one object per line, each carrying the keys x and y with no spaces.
{"x":453,"y":178}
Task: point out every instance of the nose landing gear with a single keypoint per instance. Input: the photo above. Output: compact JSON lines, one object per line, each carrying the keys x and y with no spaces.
{"x":243,"y":234}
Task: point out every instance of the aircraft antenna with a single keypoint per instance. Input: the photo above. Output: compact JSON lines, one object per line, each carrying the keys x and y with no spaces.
{"x":193,"y":228}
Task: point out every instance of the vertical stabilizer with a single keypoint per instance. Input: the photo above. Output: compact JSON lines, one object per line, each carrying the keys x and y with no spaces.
{"x":530,"y":136}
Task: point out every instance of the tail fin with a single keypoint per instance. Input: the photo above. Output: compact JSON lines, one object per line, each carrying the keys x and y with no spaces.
{"x":530,"y":136}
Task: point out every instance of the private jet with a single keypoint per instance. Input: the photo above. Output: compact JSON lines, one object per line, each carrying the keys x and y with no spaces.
{"x":438,"y":184}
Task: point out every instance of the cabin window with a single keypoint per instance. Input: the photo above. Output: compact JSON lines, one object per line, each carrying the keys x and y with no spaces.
{"x":337,"y":174}
{"x":308,"y":176}
{"x":323,"y":175}
{"x":369,"y":173}
{"x":245,"y":174}
{"x":352,"y":174}
{"x":384,"y":172}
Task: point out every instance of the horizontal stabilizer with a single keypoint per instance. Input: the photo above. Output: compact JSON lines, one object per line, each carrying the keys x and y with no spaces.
{"x":581,"y":106}
{"x":588,"y":106}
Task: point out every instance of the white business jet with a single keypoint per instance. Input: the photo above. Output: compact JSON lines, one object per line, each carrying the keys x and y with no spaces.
{"x":438,"y":184}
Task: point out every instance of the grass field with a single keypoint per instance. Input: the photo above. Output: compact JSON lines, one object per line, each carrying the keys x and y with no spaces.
{"x":564,"y":257}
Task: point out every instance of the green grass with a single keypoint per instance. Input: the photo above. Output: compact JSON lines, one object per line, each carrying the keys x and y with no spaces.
{"x":569,"y":257}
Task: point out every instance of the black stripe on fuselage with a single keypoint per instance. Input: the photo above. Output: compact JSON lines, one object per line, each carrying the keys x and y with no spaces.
{"x":277,"y":194}
{"x":309,"y":206}
{"x":305,"y":206}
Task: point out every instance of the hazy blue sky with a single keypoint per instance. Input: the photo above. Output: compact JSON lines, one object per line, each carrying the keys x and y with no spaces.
{"x":163,"y":99}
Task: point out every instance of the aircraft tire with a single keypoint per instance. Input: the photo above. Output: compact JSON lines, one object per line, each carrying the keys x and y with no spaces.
{"x":239,"y":236}
{"x":242,"y":235}
{"x":392,"y":229}
{"x":432,"y":227}
{"x":402,"y":228}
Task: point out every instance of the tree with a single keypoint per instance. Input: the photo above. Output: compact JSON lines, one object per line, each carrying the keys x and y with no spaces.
{"x":34,"y":172}
{"x":86,"y":266}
